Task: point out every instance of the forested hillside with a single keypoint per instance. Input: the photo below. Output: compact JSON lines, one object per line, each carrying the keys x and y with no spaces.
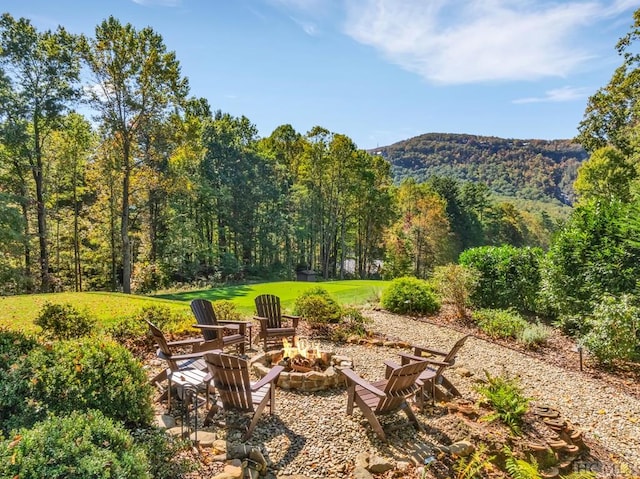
{"x":531,"y":169}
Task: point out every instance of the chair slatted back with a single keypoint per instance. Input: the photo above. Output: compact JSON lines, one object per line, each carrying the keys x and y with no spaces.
{"x":205,"y":315}
{"x":401,"y":384}
{"x":231,"y":379}
{"x":164,"y":351}
{"x":451,"y":355}
{"x":268,"y":306}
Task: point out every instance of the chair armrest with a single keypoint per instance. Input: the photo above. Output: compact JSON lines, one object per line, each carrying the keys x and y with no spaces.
{"x":271,"y":376}
{"x":389,"y":367}
{"x":184,"y":342}
{"x":354,"y":378}
{"x":406,"y":358}
{"x":161,"y":355}
{"x":418,"y":350}
{"x":209,"y":326}
{"x":241,"y":326}
{"x":294,"y":319}
{"x":263,"y":322}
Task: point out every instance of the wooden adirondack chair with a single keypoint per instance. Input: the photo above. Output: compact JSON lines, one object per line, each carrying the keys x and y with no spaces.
{"x":237,"y":392}
{"x":386,"y":396}
{"x":214,"y":330}
{"x":190,"y":367}
{"x":270,"y":316}
{"x":432,"y":381}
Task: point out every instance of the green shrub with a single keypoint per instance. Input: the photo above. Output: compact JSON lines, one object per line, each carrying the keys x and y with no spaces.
{"x":318,"y":307}
{"x":500,"y":323}
{"x":225,"y":310}
{"x":507,"y":276}
{"x":353,"y":324}
{"x":82,"y":375}
{"x":505,"y":396}
{"x":455,"y":283}
{"x":410,"y":295}
{"x":81,"y":445}
{"x":614,"y":330}
{"x":534,"y":335}
{"x":165,"y":319}
{"x":164,"y":453}
{"x":14,"y":346}
{"x":64,"y":321}
{"x":147,"y":277}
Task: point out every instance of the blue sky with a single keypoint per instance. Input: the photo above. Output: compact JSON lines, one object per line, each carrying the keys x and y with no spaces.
{"x":379,"y":71}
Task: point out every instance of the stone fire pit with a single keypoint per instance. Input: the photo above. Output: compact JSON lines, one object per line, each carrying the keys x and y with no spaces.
{"x":324,"y":373}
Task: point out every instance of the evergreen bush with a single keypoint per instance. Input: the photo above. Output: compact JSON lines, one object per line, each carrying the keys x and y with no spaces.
{"x":507,"y":276}
{"x":318,"y":307}
{"x":64,"y":321}
{"x":409,"y":295}
{"x":81,"y":445}
{"x":500,"y":323}
{"x":79,"y":375}
{"x":614,"y":330}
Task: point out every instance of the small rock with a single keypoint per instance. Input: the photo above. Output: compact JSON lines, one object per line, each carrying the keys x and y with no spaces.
{"x":361,"y":473}
{"x":165,"y":421}
{"x":462,"y":448}
{"x":362,"y":460}
{"x":235,"y":462}
{"x":219,"y":446}
{"x":205,"y":438}
{"x":175,"y":431}
{"x":464,"y":372}
{"x":378,"y":465}
{"x":230,"y":472}
{"x":402,"y":466}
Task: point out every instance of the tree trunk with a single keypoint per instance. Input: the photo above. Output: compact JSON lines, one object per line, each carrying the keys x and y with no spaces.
{"x":38,"y":176}
{"x":77,"y":270}
{"x":124,"y":225}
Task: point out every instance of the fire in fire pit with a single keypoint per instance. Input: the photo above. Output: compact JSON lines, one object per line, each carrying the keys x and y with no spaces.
{"x":301,"y":357}
{"x":307,"y":367}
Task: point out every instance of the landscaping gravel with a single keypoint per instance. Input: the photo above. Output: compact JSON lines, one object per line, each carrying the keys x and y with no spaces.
{"x":312,"y":436}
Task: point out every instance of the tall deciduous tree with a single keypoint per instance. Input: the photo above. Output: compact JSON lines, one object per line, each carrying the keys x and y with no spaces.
{"x":613,"y":112}
{"x":43,"y":69}
{"x":137,"y":81}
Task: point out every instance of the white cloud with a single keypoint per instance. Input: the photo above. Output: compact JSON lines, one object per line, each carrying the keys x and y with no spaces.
{"x":557,"y":95}
{"x":469,"y":41}
{"x":309,"y":28}
{"x":160,"y":3}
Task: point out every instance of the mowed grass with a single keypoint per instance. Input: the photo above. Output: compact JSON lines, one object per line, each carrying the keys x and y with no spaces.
{"x":348,"y":292}
{"x":19,"y":312}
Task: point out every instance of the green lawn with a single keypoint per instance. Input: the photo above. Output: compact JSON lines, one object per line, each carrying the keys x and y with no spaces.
{"x":18,"y":312}
{"x":353,"y":292}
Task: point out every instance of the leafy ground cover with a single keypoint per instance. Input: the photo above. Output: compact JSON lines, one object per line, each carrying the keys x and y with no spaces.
{"x":18,"y":312}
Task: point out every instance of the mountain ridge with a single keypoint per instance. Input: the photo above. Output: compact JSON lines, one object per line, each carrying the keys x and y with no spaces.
{"x":533,"y":169}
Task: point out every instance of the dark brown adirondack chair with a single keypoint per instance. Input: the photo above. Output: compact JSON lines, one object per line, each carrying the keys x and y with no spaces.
{"x":226,"y":333}
{"x":433,"y":382}
{"x":191,"y":367}
{"x":237,"y":392}
{"x":270,"y":316}
{"x":386,"y":396}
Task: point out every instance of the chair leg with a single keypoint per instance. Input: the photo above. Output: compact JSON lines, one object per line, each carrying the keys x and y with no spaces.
{"x":412,"y":417}
{"x":351,"y":391}
{"x":371,"y":417}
